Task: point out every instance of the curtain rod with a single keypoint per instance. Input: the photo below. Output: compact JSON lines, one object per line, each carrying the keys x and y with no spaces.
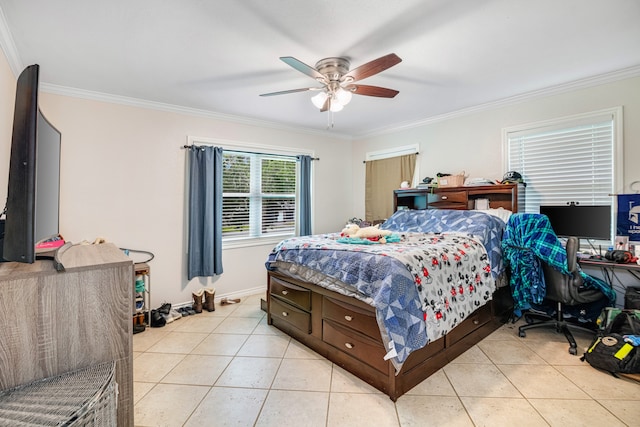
{"x":188,"y":147}
{"x":416,"y":153}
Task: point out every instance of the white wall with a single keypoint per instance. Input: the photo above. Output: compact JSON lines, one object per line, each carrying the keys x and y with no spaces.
{"x":473,"y":143}
{"x":123,"y":178}
{"x":7,"y":98}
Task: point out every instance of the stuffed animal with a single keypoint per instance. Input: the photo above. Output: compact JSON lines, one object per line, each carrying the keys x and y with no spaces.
{"x":372,"y":233}
{"x":349,"y":230}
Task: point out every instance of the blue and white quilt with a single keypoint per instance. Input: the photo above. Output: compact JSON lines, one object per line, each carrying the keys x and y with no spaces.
{"x":438,"y":273}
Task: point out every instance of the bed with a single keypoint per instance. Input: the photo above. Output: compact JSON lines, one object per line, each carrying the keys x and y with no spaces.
{"x":393,"y":312}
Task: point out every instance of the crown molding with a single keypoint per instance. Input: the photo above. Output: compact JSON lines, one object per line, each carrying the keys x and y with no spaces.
{"x":625,"y":73}
{"x":588,"y":82}
{"x":9,"y":47}
{"x":171,"y":108}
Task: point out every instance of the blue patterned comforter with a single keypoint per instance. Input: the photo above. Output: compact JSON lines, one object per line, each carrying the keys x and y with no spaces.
{"x":440,"y":271}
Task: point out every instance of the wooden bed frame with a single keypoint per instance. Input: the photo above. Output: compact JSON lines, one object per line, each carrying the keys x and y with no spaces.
{"x":344,"y":330}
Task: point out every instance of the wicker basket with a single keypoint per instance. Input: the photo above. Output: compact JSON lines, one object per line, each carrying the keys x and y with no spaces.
{"x":87,"y":397}
{"x":451,"y":180}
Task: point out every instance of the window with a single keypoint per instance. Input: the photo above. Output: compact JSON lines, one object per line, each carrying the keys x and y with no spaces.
{"x":259,"y":195}
{"x":569,"y":160}
{"x":384,"y":171}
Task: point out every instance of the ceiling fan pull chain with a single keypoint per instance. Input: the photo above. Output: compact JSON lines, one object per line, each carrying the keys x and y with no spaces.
{"x":329,"y":119}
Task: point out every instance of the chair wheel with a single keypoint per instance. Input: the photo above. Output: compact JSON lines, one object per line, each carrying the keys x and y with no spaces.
{"x":522,"y":334}
{"x":573,"y":351}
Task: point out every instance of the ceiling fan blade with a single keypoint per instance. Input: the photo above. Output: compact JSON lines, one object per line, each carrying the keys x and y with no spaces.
{"x":284,"y":92}
{"x":303,"y":68}
{"x":381,"y":92}
{"x":373,"y":67}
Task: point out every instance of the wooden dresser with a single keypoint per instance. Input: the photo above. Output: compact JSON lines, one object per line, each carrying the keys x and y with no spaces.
{"x":507,"y":196}
{"x":56,"y":322}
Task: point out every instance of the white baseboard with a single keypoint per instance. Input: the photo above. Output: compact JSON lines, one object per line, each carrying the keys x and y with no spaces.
{"x":240,"y":294}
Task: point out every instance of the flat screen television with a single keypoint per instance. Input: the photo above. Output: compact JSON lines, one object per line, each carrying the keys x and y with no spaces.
{"x":582,"y":221}
{"x":33,"y":194}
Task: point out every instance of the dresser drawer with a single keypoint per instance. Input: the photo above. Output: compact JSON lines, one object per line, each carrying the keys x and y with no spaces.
{"x":448,"y":200}
{"x":470,"y":324}
{"x":356,"y":345}
{"x":290,"y":314}
{"x":291,"y":293}
{"x":352,"y":317}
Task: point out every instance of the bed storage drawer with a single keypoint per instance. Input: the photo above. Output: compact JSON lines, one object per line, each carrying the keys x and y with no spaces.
{"x":475,"y":320}
{"x":292,"y":315}
{"x":291,"y":293}
{"x":448,"y":200}
{"x":350,"y":316}
{"x":356,"y":345}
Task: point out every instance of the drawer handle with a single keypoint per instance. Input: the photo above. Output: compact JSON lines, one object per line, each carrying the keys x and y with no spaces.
{"x":285,"y":292}
{"x":476,"y":322}
{"x":444,"y":197}
{"x":348,"y":318}
{"x":285,"y":314}
{"x":349,"y":345}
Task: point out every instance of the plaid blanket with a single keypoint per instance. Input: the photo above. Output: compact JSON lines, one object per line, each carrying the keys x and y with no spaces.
{"x":528,"y":241}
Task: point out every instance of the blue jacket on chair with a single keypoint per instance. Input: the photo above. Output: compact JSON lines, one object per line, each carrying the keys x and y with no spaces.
{"x":528,"y":241}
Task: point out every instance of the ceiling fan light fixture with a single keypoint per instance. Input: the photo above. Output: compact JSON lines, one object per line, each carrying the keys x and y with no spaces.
{"x":343,"y":96}
{"x":335,"y":107}
{"x":319,"y":99}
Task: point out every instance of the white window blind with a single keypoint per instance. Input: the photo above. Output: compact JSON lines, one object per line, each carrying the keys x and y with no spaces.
{"x":259,"y":195}
{"x":568,"y":161}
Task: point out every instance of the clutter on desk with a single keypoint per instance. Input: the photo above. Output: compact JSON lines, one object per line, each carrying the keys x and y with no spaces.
{"x":620,"y":256}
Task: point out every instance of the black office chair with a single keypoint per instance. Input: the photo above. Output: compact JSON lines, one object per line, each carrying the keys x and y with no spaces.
{"x":564,"y":290}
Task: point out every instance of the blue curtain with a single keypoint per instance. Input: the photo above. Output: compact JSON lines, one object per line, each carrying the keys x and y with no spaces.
{"x":305,"y":195}
{"x":205,"y":212}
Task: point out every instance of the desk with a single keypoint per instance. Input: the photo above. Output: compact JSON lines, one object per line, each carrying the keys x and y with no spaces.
{"x":609,"y":268}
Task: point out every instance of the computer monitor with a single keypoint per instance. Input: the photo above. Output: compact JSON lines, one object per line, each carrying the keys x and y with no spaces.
{"x":582,"y":221}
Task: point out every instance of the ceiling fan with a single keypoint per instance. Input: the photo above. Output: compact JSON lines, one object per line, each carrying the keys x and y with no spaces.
{"x":338,"y":82}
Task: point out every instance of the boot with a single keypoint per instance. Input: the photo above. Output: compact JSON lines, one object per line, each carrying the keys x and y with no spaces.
{"x":209,"y":295}
{"x":197,"y":300}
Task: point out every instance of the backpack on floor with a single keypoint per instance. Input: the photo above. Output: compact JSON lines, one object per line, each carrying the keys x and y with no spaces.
{"x":613,"y":353}
{"x":608,"y":314}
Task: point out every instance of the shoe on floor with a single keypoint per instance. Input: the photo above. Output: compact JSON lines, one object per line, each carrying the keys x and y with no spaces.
{"x":186,"y":311}
{"x":198,"y":296}
{"x":173,"y":315}
{"x":165,"y":308}
{"x":225,"y":301}
{"x":209,"y":296}
{"x":157,"y":319}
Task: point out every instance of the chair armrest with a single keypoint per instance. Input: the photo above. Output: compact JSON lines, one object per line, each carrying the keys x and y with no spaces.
{"x":573,"y":245}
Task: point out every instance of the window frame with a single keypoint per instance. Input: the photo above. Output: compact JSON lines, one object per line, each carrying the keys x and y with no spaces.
{"x":567,"y":122}
{"x":256,"y":148}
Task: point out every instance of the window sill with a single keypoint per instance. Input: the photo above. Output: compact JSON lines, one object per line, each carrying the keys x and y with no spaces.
{"x":244,"y":243}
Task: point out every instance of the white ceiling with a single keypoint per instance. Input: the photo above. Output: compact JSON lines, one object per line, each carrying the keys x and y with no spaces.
{"x":218,"y":56}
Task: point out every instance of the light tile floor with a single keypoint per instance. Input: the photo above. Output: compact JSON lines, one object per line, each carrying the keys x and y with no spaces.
{"x":229,"y":367}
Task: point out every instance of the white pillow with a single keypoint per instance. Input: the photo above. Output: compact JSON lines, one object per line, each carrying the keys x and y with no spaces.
{"x":501,"y":213}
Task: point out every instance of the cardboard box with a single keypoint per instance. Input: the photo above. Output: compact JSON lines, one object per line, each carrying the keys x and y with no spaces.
{"x":451,"y":181}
